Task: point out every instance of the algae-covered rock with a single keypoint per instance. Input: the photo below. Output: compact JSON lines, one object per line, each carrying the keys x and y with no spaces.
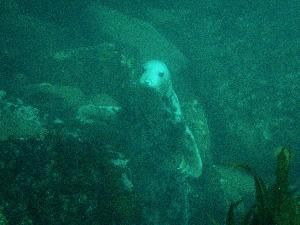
{"x":70,"y":97}
{"x":127,"y":30}
{"x":25,"y":48}
{"x":67,"y":103}
{"x":58,"y":102}
{"x":63,"y":179}
{"x":263,"y":113}
{"x":54,"y":11}
{"x":99,"y":117}
{"x":170,"y":20}
{"x":104,"y":68}
{"x":8,"y":7}
{"x":234,"y":184}
{"x":93,"y":113}
{"x":28,"y":41}
{"x":18,"y":120}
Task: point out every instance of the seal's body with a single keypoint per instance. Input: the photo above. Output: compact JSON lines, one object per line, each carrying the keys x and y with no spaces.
{"x":156,"y":77}
{"x":165,"y":153}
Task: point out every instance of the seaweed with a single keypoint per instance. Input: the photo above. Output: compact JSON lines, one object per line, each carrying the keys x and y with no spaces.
{"x":274,"y":205}
{"x":230,"y":220}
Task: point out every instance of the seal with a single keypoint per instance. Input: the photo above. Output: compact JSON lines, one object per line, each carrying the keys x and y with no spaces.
{"x":162,"y":147}
{"x":156,"y":78}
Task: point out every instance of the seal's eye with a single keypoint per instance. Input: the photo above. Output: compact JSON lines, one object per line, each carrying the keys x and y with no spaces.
{"x":161,"y":74}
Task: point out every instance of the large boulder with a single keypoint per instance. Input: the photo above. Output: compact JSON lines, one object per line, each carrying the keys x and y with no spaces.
{"x":25,"y":48}
{"x":106,"y":22}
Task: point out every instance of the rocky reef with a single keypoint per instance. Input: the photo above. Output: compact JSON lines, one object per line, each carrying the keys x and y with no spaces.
{"x":74,"y":129}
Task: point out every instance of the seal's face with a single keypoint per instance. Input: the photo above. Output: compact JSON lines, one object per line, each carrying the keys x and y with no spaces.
{"x":156,"y":76}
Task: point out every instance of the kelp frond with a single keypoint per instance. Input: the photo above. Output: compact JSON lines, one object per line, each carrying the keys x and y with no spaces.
{"x":230,"y":219}
{"x":273,"y":205}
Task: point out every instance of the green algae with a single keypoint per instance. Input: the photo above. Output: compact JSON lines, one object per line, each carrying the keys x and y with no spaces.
{"x":274,"y":205}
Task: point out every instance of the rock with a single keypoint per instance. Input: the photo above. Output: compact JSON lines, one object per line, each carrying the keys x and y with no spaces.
{"x":26,"y":45}
{"x":72,"y":97}
{"x":102,"y":108}
{"x":95,"y":69}
{"x":120,"y":28}
{"x":52,"y":98}
{"x":89,"y":114}
{"x":54,"y":11}
{"x":257,"y":119}
{"x":25,"y":37}
{"x":168,"y":17}
{"x":221,"y":187}
{"x":58,"y":102}
{"x":234,"y":184}
{"x":18,"y":120}
{"x":9,"y":7}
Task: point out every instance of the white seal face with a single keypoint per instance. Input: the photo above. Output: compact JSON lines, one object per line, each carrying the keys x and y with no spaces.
{"x":156,"y":76}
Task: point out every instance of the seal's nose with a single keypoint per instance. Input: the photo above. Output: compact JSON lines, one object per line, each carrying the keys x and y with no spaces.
{"x":147,"y":82}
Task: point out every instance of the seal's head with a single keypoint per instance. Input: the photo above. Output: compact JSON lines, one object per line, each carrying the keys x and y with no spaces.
{"x":156,"y":76}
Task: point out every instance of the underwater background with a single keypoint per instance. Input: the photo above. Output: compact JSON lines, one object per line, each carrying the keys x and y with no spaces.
{"x":80,"y":143}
